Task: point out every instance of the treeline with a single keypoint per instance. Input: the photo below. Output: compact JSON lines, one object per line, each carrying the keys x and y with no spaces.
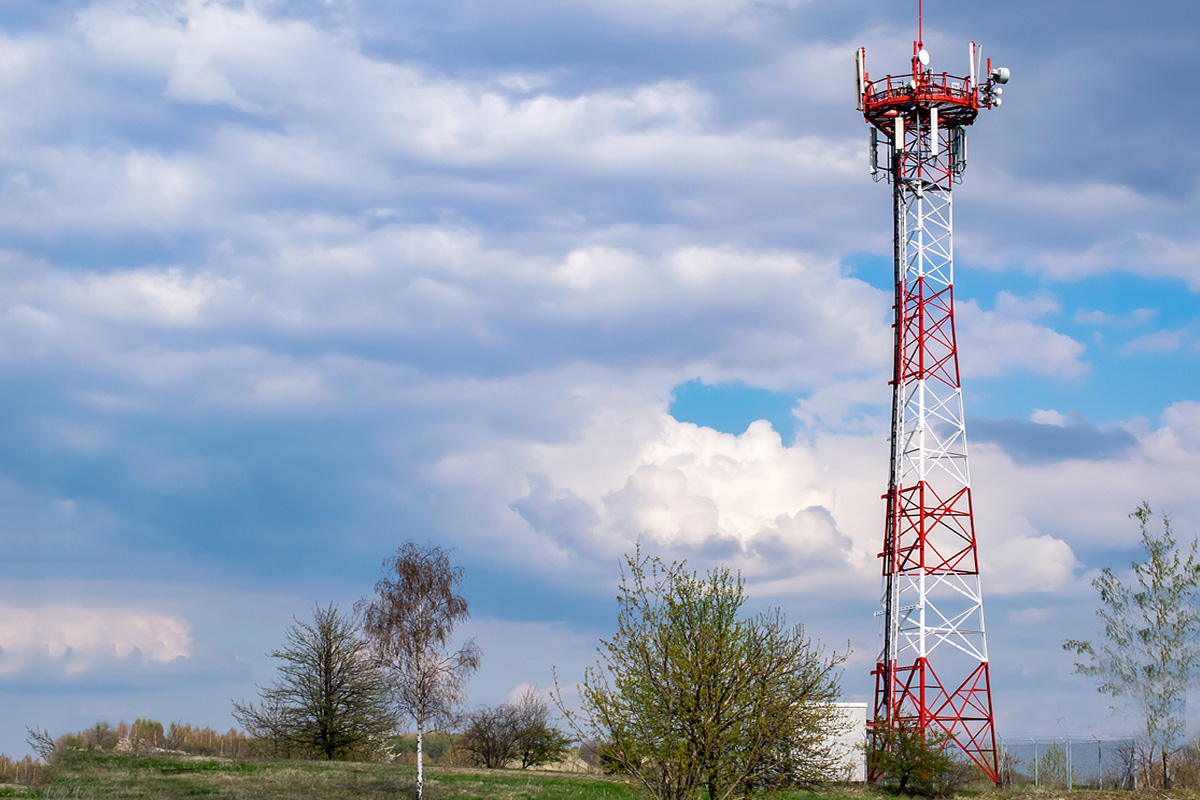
{"x":144,"y":735}
{"x":27,"y":770}
{"x":516,"y":735}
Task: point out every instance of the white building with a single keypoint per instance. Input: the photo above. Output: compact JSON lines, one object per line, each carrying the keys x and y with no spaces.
{"x":851,"y":744}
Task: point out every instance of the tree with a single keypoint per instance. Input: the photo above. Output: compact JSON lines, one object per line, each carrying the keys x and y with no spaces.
{"x":409,"y":623}
{"x":1149,"y":654}
{"x":910,"y":758}
{"x":329,"y":698}
{"x":687,"y":694}
{"x":535,"y":740}
{"x":488,"y":736}
{"x":514,"y":732}
{"x":1054,"y":768}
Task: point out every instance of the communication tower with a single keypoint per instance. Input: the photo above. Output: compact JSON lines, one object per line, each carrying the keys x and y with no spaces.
{"x":932,"y":671}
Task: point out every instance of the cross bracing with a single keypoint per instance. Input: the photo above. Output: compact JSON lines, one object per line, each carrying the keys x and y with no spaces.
{"x":933,"y":669}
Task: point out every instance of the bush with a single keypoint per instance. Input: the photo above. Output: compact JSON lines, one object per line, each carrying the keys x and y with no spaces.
{"x":912,"y":760}
{"x":521,"y":732}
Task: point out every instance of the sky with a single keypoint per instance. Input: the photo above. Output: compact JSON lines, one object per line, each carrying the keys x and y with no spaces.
{"x":287,"y":283}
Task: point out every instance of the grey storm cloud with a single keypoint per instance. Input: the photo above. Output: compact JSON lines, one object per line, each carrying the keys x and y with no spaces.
{"x":1041,"y":442}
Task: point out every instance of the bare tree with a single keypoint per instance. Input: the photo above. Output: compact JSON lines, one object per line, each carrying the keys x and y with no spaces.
{"x":42,"y":743}
{"x":489,"y":736}
{"x":535,"y":740}
{"x":514,"y":732}
{"x":409,"y":623}
{"x":329,"y":698}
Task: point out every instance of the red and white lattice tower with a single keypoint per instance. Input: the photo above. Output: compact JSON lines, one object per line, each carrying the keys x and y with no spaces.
{"x":932,"y":672}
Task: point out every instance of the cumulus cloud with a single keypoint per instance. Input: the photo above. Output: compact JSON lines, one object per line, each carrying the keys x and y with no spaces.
{"x":745,"y":500}
{"x":73,"y":641}
{"x":793,"y":519}
{"x":797,"y":518}
{"x":1181,"y":423}
{"x":1008,"y":339}
{"x":1015,"y":559}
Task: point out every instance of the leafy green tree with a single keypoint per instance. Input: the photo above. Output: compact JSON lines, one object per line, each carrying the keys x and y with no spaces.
{"x":1149,"y":653}
{"x":330,"y":696}
{"x":1053,"y":768}
{"x":690,"y":695}
{"x":911,"y":760}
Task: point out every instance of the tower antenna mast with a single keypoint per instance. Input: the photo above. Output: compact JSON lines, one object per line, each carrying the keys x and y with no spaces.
{"x":932,"y":672}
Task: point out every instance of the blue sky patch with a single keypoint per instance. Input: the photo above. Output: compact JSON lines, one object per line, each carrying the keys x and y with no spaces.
{"x":730,"y":407}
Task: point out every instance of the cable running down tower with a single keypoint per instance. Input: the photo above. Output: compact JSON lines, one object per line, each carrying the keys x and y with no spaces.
{"x":932,"y":671}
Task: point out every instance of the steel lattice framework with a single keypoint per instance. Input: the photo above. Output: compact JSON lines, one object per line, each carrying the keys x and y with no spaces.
{"x":932,"y":671}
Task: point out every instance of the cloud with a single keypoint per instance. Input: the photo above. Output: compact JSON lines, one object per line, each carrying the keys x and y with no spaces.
{"x":1061,"y":497}
{"x":1095,"y":317}
{"x":1182,"y":421}
{"x":708,"y":10}
{"x":166,"y":298}
{"x":1157,"y":342}
{"x":1017,"y":560}
{"x":73,"y":641}
{"x":1051,"y":438}
{"x":396,"y":306}
{"x":693,"y":492}
{"x":244,"y":111}
{"x":799,"y":518}
{"x":1007,"y":339}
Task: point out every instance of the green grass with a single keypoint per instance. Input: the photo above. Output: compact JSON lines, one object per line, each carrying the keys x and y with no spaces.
{"x":116,"y":776}
{"x":162,"y":777}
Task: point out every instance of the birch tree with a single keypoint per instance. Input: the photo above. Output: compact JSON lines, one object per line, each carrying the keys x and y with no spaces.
{"x":409,"y":623}
{"x":1149,"y":653}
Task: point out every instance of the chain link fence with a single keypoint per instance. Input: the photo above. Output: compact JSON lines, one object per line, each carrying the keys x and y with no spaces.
{"x":1069,"y":762}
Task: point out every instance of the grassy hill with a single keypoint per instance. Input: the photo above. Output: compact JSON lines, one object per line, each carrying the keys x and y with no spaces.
{"x":122,"y":776}
{"x":164,"y":776}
